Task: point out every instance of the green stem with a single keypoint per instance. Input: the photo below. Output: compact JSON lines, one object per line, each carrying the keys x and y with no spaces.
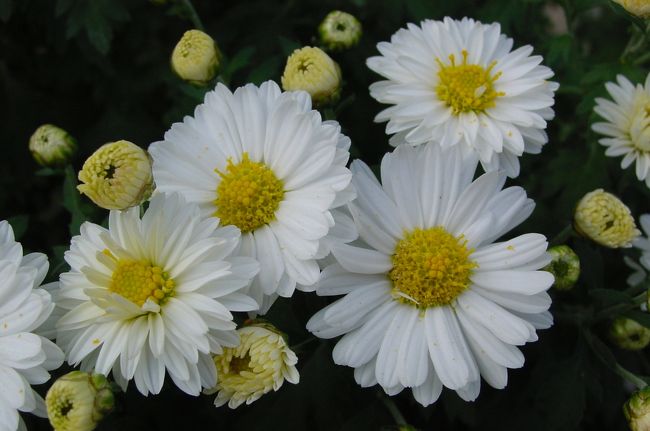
{"x":562,"y":236}
{"x":194,"y":17}
{"x":394,"y":411}
{"x":620,"y":308}
{"x":629,"y":376}
{"x":298,"y":346}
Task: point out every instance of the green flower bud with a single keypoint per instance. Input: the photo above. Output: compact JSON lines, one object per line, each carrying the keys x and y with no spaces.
{"x":339,"y":31}
{"x":628,"y":334}
{"x":312,"y":70}
{"x":565,"y":267}
{"x":196,"y":57}
{"x":637,"y":410}
{"x":78,"y":401}
{"x":603,"y":218}
{"x":52,"y":146}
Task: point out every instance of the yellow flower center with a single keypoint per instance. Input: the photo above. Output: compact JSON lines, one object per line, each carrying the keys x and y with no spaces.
{"x":467,"y":87}
{"x":138,"y":281}
{"x":248,"y":195}
{"x":430,"y":268}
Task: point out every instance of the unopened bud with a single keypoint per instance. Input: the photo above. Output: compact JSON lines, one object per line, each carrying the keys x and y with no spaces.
{"x":628,"y":334}
{"x":52,"y":146}
{"x":196,"y":57}
{"x":117,"y":176}
{"x":603,"y":218}
{"x":339,"y":31}
{"x":637,"y":410}
{"x":565,"y":267}
{"x":640,"y":8}
{"x":312,"y":70}
{"x":78,"y":401}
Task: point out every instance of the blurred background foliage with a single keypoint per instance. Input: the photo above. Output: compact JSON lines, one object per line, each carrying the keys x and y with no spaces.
{"x":100,"y":70}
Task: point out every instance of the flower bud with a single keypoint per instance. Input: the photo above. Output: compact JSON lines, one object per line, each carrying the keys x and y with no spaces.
{"x":640,"y":8}
{"x":312,"y":70}
{"x":603,"y":218}
{"x":78,"y":401}
{"x":339,"y":31}
{"x":565,"y":266}
{"x":52,"y":146}
{"x":117,"y":176}
{"x":637,"y":410}
{"x":628,"y":334}
{"x":261,"y":362}
{"x":196,"y":57}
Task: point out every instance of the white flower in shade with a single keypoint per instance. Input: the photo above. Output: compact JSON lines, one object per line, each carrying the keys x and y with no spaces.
{"x":642,"y":243}
{"x":25,"y":356}
{"x":262,"y":160}
{"x":432,"y":301}
{"x":627,"y":124}
{"x":153,"y":294}
{"x":459,"y":83}
{"x":261,"y":363}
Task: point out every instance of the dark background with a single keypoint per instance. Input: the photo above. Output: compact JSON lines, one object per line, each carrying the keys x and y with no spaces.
{"x":100,"y":70}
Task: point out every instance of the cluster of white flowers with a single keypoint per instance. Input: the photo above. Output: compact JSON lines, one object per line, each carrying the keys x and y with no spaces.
{"x":253,"y":192}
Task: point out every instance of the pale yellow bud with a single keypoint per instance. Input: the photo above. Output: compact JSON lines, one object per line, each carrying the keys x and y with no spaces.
{"x":196,"y":57}
{"x":628,"y":334}
{"x":312,"y":70}
{"x":640,"y":8}
{"x":52,"y":146}
{"x":603,"y":218}
{"x":637,"y":410}
{"x":117,"y":176}
{"x":339,"y":30}
{"x":78,"y":401}
{"x":261,"y":363}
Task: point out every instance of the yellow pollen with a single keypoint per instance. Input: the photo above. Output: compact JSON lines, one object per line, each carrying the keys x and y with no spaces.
{"x":430,"y":268}
{"x":467,"y":87}
{"x":138,"y":281}
{"x":248,"y":195}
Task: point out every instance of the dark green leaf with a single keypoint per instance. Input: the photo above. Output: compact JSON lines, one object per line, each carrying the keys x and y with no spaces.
{"x":611,"y":296}
{"x":5,"y":9}
{"x":72,"y":201}
{"x":19,"y":225}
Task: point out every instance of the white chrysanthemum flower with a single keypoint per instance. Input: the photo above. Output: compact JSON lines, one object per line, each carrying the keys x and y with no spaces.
{"x":627,"y":125}
{"x":261,"y":363}
{"x":459,"y":83}
{"x":264,"y":161}
{"x":432,"y":301}
{"x":25,"y":356}
{"x":153,"y":294}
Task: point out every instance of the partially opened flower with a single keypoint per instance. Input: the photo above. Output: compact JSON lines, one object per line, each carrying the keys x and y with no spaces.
{"x":259,"y":364}
{"x":459,"y":83}
{"x":627,"y":124}
{"x":430,"y":299}
{"x":263,"y":161}
{"x":310,"y":69}
{"x":117,"y":176}
{"x":153,"y":294}
{"x":25,"y":356}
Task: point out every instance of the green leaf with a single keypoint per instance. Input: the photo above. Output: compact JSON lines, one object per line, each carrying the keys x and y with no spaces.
{"x":72,"y":200}
{"x":237,"y":62}
{"x":265,"y":71}
{"x":611,"y":296}
{"x":19,"y":224}
{"x":288,"y":45}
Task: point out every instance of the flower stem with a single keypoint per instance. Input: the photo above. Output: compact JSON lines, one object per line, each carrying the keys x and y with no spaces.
{"x":392,"y":408}
{"x":193,"y":16}
{"x":562,"y":236}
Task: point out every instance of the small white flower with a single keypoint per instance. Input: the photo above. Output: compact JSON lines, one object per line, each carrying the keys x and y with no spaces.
{"x":25,"y":357}
{"x":153,"y":294}
{"x":430,"y":299}
{"x":259,"y":364}
{"x":459,"y":83}
{"x":627,"y":125}
{"x":264,"y":161}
